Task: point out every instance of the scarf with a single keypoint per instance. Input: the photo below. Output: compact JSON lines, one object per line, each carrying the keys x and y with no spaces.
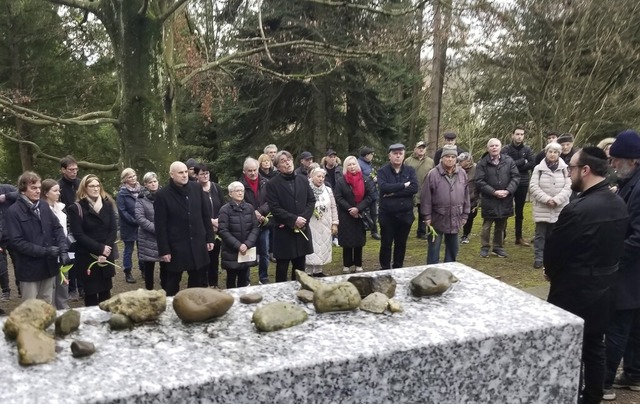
{"x":357,"y":185}
{"x":317,"y":191}
{"x":135,"y":190}
{"x":253,"y":184}
{"x":552,"y":166}
{"x":95,"y":205}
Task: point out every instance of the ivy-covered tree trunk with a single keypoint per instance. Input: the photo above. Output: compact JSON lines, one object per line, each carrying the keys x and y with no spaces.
{"x":145,"y":107}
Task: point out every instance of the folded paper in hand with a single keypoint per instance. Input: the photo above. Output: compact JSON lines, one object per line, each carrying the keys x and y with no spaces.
{"x":249,"y":256}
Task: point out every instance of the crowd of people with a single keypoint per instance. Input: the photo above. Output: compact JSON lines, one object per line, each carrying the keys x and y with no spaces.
{"x":293,"y":212}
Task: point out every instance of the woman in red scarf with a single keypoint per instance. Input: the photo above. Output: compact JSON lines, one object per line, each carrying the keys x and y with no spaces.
{"x":353,"y":195}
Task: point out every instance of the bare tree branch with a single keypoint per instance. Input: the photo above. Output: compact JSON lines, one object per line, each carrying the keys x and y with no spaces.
{"x":143,"y":9}
{"x":283,"y":76}
{"x":37,"y":152}
{"x":171,"y":10}
{"x":395,"y":13}
{"x":91,"y":6}
{"x":262,"y":36}
{"x":40,"y":119}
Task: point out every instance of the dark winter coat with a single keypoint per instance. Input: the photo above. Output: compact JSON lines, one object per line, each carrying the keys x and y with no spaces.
{"x":333,"y":175}
{"x":290,"y":196}
{"x":93,"y":231}
{"x":147,"y":243}
{"x":268,"y":174}
{"x":369,"y":172}
{"x":215,"y":199}
{"x":237,"y":225}
{"x":29,"y":236}
{"x":524,"y":158}
{"x":395,"y":198}
{"x":126,"y":201}
{"x":445,"y":202}
{"x":627,"y":287}
{"x":490,"y":178}
{"x":582,"y":253}
{"x":258,"y":202}
{"x":68,"y":190}
{"x":11,"y":195}
{"x":438,"y":155}
{"x":351,"y":231}
{"x":183,"y":226}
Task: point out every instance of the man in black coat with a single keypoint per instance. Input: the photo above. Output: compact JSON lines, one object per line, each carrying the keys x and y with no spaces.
{"x":37,"y":238}
{"x":183,"y":228}
{"x":524,"y":158}
{"x":8,"y":195}
{"x":291,"y":201}
{"x":581,"y":259}
{"x":450,"y":139}
{"x":497,"y":179}
{"x":69,"y":184}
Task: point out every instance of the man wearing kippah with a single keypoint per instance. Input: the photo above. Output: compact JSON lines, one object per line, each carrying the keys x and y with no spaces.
{"x":581,"y":259}
{"x":623,"y":334}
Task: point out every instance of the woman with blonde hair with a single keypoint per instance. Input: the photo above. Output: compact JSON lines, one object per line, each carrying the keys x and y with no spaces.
{"x":265,"y":166}
{"x":92,"y":222}
{"x":323,"y":224}
{"x":126,"y":201}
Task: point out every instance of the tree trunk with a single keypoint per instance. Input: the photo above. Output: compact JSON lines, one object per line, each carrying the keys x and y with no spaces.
{"x":416,"y":90}
{"x":143,"y":49}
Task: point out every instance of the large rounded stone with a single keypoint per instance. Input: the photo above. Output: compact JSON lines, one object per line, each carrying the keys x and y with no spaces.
{"x":201,"y":304}
{"x":375,"y":303}
{"x":432,"y":281}
{"x":67,"y":323}
{"x":35,"y":346}
{"x":278,"y":315}
{"x":119,"y":322}
{"x":339,"y":296}
{"x":139,"y":305}
{"x":80,"y":349}
{"x":32,"y":312}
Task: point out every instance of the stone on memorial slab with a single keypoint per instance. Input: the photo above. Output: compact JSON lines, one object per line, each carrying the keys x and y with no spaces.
{"x":395,"y":306}
{"x":305,"y":296}
{"x":139,"y":305}
{"x":339,"y":296}
{"x":278,"y":315}
{"x":432,"y":281}
{"x":366,"y":285}
{"x":119,"y":322}
{"x":375,"y":303}
{"x":307,"y":282}
{"x":34,"y":312}
{"x":67,"y":323}
{"x":251,"y":298}
{"x":201,"y":304}
{"x":35,"y":346}
{"x":80,"y":349}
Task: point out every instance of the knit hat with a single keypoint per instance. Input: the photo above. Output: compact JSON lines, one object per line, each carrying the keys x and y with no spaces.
{"x":366,"y":150}
{"x":626,"y":146}
{"x":564,"y":138}
{"x":191,"y":163}
{"x":449,"y":150}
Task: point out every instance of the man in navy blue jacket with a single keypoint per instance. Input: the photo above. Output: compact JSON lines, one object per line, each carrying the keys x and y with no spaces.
{"x":397,"y":184}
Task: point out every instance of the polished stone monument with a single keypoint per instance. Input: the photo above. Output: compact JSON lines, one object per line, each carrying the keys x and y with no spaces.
{"x":480,"y":342}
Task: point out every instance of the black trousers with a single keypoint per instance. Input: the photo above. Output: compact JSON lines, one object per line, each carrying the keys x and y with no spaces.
{"x":593,"y":364}
{"x":237,"y":278}
{"x":94,"y":300}
{"x":519,"y":199}
{"x":422,"y":226}
{"x":213,"y":268}
{"x":466,"y":229}
{"x":282,"y":268}
{"x":148,"y":267}
{"x":394,"y":233}
{"x":174,"y":279}
{"x":352,"y":256}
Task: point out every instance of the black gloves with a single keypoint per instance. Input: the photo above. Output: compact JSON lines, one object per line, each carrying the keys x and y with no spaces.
{"x":64,"y":258}
{"x":52,"y":251}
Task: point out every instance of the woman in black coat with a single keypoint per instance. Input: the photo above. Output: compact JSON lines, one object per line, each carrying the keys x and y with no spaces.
{"x":92,"y":221}
{"x":292,"y":202}
{"x":239,"y":231}
{"x":354,"y":194}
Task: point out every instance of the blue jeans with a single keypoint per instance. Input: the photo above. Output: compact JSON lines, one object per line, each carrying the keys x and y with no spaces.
{"x":623,"y":341}
{"x":450,"y":248}
{"x":263,"y":255}
{"x":127,"y":255}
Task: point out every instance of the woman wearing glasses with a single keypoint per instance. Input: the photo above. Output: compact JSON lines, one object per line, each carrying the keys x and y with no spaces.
{"x":92,"y":221}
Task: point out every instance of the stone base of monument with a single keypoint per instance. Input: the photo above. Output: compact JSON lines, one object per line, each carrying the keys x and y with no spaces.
{"x":480,"y":342}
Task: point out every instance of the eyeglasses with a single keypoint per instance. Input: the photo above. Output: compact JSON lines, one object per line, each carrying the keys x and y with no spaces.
{"x":576,"y":166}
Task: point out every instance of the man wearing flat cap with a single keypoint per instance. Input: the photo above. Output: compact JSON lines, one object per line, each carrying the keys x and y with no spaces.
{"x":566,"y":141}
{"x":422,"y":164}
{"x":624,"y":330}
{"x":397,"y":184}
{"x":450,"y":139}
{"x":581,"y":258}
{"x":305,"y":158}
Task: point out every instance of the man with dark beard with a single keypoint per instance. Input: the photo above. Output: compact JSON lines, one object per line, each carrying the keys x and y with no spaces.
{"x":581,"y":259}
{"x":623,"y":335}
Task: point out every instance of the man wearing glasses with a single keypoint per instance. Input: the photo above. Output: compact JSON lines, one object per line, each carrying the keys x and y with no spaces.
{"x":581,"y":259}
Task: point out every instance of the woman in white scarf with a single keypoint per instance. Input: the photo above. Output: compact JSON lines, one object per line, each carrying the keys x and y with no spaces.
{"x":323,"y":224}
{"x":50,"y":192}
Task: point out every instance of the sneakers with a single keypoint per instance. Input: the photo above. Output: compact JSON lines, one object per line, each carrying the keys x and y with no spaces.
{"x":609,"y":395}
{"x":484,"y":252}
{"x":6,"y":296}
{"x":336,"y":242}
{"x":537,"y":264}
{"x":346,"y":270}
{"x":129,"y":278}
{"x":358,"y":269}
{"x":464,"y":240}
{"x":499,"y":252}
{"x":264,"y":281}
{"x":624,"y":382}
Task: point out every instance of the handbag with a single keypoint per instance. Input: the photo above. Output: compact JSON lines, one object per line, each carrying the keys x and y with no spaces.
{"x":367,"y":221}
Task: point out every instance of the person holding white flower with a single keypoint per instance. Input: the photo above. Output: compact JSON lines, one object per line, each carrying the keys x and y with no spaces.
{"x":323,"y":224}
